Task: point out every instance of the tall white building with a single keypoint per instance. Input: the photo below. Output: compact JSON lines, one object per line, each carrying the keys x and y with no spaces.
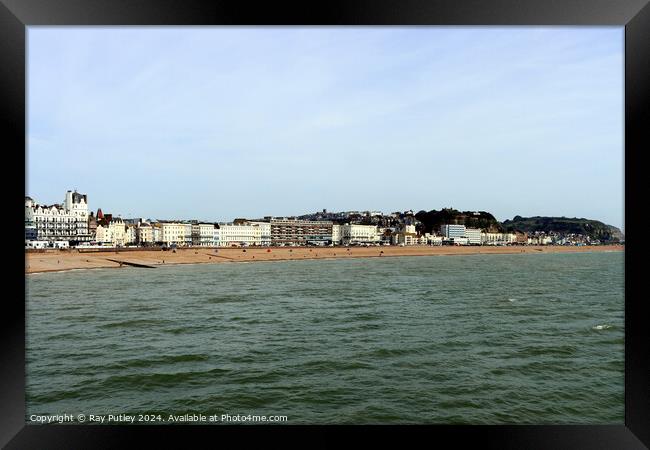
{"x":498,"y":238}
{"x":112,"y":233}
{"x":187,"y":234}
{"x":450,"y":231}
{"x":203,"y":234}
{"x":156,"y":233}
{"x":59,"y":222}
{"x":359,"y":234}
{"x":336,"y":234}
{"x":144,"y":234}
{"x":265,"y":232}
{"x":130,"y":234}
{"x":244,"y":234}
{"x":173,"y":233}
{"x":473,"y":236}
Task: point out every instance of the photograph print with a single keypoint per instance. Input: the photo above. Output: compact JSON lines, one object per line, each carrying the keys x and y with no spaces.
{"x":325,"y":225}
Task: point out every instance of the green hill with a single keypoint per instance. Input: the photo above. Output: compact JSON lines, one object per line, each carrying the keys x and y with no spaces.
{"x":432,"y":220}
{"x":564,"y":225}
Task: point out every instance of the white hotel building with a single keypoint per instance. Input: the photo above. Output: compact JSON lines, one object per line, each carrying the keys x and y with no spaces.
{"x":473,"y":236}
{"x":113,"y":233}
{"x":66,"y":222}
{"x":243,"y":234}
{"x":144,"y":234}
{"x":359,"y":234}
{"x":336,"y":234}
{"x":173,"y":233}
{"x":451,"y":231}
{"x":498,"y":238}
{"x":203,"y":234}
{"x":265,"y":230}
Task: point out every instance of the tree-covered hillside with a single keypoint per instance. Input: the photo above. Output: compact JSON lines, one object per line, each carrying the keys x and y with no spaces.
{"x":564,"y":225}
{"x":432,"y":220}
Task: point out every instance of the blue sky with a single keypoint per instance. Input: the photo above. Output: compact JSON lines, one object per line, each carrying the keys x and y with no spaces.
{"x":215,"y":123}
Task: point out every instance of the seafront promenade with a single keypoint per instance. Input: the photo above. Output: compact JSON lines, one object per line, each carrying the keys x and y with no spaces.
{"x":59,"y":260}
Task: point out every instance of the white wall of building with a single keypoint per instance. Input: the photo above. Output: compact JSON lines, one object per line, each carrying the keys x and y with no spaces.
{"x":112,"y":234}
{"x":452,"y":230}
{"x":498,"y":238}
{"x":473,"y":236}
{"x":409,"y":229}
{"x":359,"y":234}
{"x":156,"y":233}
{"x":173,"y":233}
{"x":130,"y":235}
{"x":67,"y":221}
{"x":336,"y":234}
{"x":203,"y":235}
{"x":144,"y":234}
{"x":187,"y":234}
{"x":240,"y":234}
{"x":265,"y":232}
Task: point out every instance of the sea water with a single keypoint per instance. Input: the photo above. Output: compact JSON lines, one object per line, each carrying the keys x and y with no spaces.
{"x":476,"y":339}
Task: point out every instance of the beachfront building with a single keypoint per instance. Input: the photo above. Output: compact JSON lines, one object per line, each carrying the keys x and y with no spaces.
{"x":173,"y":233}
{"x":156,"y":233}
{"x":385,"y":235}
{"x":37,"y":244}
{"x":355,"y":234}
{"x":58,"y":222}
{"x":203,"y":234}
{"x":539,"y":240}
{"x":336,"y":234}
{"x":130,"y":234}
{"x":294,"y":232}
{"x":521,"y":238}
{"x":111,"y":232}
{"x":455,"y":241}
{"x":490,"y":238}
{"x":117,"y":230}
{"x":92,"y":225}
{"x":239,"y":235}
{"x":265,"y":232}
{"x":187,"y":234}
{"x":451,"y":231}
{"x":473,"y":236}
{"x":498,"y":238}
{"x":102,"y":235}
{"x":403,"y":238}
{"x":144,"y":234}
{"x":31,"y":234}
{"x":407,"y":236}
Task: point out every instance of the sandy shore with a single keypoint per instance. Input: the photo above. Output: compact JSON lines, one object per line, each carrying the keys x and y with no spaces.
{"x":57,"y":260}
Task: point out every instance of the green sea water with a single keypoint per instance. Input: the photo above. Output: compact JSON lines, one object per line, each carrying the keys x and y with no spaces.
{"x":480,"y":339}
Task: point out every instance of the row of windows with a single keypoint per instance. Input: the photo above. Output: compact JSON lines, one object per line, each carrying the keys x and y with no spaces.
{"x":57,"y":219}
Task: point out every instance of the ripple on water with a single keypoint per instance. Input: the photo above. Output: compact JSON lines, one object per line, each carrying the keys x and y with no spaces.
{"x":134,"y":323}
{"x":378,"y":340}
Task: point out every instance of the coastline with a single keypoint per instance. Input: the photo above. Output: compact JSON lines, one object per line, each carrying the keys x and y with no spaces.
{"x":66,"y":260}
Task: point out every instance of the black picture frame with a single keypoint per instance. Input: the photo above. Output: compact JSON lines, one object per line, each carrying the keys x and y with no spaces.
{"x":634,"y":15}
